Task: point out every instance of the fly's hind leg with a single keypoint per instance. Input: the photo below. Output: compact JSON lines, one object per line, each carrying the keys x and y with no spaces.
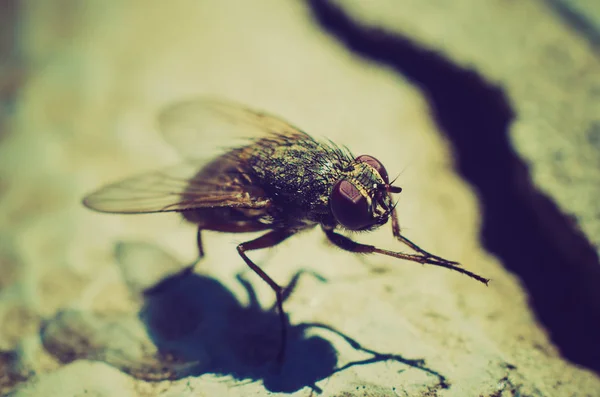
{"x":184,"y":272}
{"x":270,"y":239}
{"x":267,"y":240}
{"x":190,"y":268}
{"x":220,"y":227}
{"x":199,"y":244}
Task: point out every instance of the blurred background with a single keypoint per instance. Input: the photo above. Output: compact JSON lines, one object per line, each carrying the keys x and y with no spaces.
{"x":489,"y":111}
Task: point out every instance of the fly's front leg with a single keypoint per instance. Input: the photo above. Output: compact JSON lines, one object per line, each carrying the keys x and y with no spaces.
{"x":270,"y":239}
{"x":413,"y":246}
{"x":349,"y":245}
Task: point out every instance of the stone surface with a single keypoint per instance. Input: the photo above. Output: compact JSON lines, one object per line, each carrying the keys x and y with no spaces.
{"x":488,"y":110}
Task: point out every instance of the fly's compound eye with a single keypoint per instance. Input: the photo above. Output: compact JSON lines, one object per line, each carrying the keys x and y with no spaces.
{"x":373,"y":162}
{"x":349,"y":206}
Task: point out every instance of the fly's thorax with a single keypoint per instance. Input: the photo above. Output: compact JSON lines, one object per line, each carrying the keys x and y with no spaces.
{"x":297,"y":175}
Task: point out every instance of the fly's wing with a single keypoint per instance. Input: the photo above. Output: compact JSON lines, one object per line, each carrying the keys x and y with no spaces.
{"x":205,"y":126}
{"x":191,"y":127}
{"x":177,"y":188}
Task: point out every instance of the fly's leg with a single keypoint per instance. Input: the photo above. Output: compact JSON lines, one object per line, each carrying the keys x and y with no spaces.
{"x":190,"y":268}
{"x":199,"y":244}
{"x":270,"y":239}
{"x":285,"y":294}
{"x":289,"y":288}
{"x":220,"y":227}
{"x":347,"y":244}
{"x":413,"y":246}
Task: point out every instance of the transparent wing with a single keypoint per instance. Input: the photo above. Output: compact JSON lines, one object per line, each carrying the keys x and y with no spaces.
{"x":199,"y":128}
{"x":178,"y":188}
{"x":204,"y":126}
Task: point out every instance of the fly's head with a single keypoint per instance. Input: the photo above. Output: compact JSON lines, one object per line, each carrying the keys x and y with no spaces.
{"x":360,"y":199}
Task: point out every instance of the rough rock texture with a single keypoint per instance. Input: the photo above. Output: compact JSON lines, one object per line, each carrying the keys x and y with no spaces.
{"x":487,"y":110}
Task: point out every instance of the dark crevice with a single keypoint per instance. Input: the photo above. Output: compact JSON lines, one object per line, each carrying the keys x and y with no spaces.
{"x":521,"y":226}
{"x":577,"y":20}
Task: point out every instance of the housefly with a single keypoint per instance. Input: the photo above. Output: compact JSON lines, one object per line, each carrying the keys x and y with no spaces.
{"x":277,"y":179}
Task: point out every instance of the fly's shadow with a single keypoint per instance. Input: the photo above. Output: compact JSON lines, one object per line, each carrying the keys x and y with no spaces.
{"x":192,"y":325}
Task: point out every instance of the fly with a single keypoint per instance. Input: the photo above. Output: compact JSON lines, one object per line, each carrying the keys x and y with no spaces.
{"x":278,"y":180}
